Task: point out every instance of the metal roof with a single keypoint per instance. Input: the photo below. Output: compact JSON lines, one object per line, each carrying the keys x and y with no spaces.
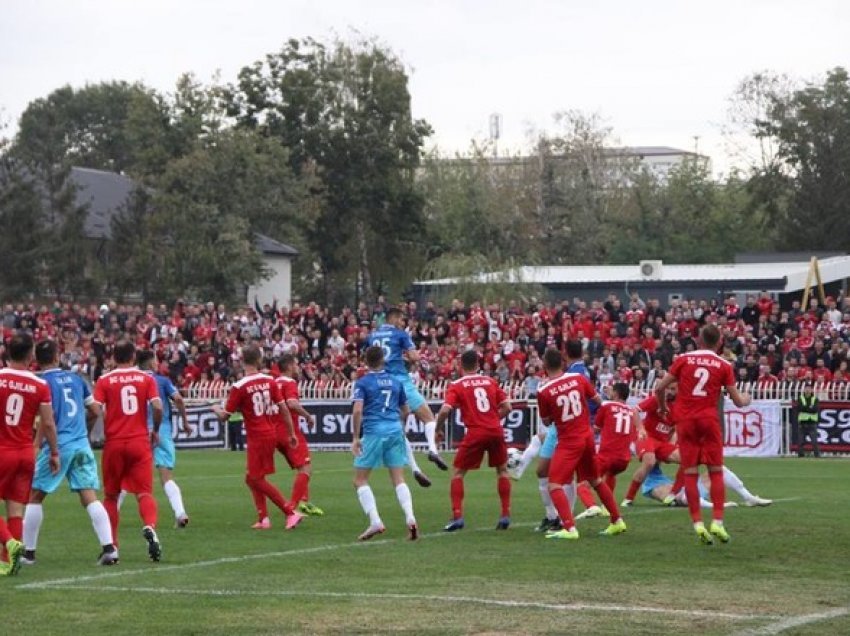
{"x":785,"y":276}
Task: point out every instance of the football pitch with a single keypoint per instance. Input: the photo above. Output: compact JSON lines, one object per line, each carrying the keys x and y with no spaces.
{"x":785,"y":571}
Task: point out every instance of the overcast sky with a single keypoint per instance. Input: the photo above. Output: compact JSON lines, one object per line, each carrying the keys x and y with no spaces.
{"x":659,"y":72}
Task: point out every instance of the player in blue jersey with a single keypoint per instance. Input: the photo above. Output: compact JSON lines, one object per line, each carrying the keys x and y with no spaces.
{"x":72,"y":410}
{"x":398,"y":349}
{"x":380,"y":409}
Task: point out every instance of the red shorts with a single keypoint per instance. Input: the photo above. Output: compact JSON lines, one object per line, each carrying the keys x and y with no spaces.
{"x":16,"y":475}
{"x":574,"y":457}
{"x":471,"y":451}
{"x":700,"y":442}
{"x":661,"y":450}
{"x":295,"y":457}
{"x":128,"y":464}
{"x":260,"y":454}
{"x":606,"y":465}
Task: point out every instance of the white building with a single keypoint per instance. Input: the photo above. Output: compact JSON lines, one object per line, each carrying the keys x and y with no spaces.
{"x":660,"y":160}
{"x":277,"y":258}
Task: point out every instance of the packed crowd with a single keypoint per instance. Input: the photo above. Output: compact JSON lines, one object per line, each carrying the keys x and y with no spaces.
{"x":632,"y":342}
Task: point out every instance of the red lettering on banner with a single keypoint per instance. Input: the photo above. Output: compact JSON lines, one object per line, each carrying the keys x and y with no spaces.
{"x":744,"y":429}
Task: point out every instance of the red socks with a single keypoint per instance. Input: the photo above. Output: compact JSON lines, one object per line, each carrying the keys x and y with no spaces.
{"x":611,"y":482}
{"x":562,"y":505}
{"x":692,"y":493}
{"x":5,"y":535}
{"x":679,"y":481}
{"x":147,"y":509}
{"x":300,"y":488}
{"x":456,"y":491}
{"x":261,"y":486}
{"x":633,"y":490}
{"x":718,"y":494}
{"x":585,"y":494}
{"x":110,"y":502}
{"x":504,"y":487}
{"x":16,"y":527}
{"x":607,"y":498}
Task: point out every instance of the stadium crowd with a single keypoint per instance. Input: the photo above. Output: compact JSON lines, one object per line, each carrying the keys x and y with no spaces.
{"x":633,"y":341}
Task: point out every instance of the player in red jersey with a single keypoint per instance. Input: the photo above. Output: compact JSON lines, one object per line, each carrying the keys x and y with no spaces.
{"x":482,"y":404}
{"x":563,"y":401}
{"x":23,"y":397}
{"x":657,"y":446}
{"x":124,"y":395}
{"x":620,"y":426}
{"x":298,"y":457}
{"x":257,"y":396}
{"x":702,"y":375}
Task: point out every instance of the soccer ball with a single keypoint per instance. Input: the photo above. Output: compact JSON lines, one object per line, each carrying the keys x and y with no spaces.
{"x":514,"y":458}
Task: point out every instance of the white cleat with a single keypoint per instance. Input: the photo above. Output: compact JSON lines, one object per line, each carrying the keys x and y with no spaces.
{"x":626,"y":503}
{"x":757,"y":501}
{"x":593,"y":511}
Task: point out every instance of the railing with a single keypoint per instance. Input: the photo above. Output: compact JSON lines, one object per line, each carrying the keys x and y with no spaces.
{"x":315,"y":390}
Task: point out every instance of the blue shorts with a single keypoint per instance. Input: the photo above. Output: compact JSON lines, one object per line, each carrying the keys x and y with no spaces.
{"x":78,"y":466}
{"x":382,"y":450}
{"x":654,"y":479}
{"x":164,"y":455}
{"x":414,"y":397}
{"x":550,"y":443}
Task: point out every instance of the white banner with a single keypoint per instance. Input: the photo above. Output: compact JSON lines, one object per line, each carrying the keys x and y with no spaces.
{"x":753,"y":431}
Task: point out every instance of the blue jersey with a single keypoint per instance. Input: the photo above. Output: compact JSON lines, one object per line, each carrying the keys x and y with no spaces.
{"x":394,"y":342}
{"x":166,"y":390}
{"x":383,"y":397}
{"x":70,"y":395}
{"x":580,"y":367}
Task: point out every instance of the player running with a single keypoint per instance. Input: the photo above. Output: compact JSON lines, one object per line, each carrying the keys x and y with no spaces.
{"x":620,"y":426}
{"x":563,"y":401}
{"x":23,"y":397}
{"x":482,"y":404}
{"x":297,"y":457}
{"x":380,"y":409}
{"x":702,"y":375}
{"x":257,"y":396}
{"x":397,"y":345}
{"x":125,"y":394}
{"x":73,"y":411}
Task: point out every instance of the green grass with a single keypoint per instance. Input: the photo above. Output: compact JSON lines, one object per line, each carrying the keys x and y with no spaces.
{"x":784,"y":561}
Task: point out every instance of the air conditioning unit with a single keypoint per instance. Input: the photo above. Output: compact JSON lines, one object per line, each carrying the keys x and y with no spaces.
{"x":650,"y":270}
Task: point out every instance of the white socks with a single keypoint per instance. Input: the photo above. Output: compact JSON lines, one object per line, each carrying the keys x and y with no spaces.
{"x":100,"y":522}
{"x":402,"y":493}
{"x":570,"y":492}
{"x":367,"y":502}
{"x":531,"y":451}
{"x":172,"y":491}
{"x":431,"y":435}
{"x":121,"y":497}
{"x":543,"y":487}
{"x":33,"y":516}
{"x":411,"y":457}
{"x":731,"y":480}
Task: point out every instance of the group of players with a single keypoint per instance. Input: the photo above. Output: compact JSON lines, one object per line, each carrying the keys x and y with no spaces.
{"x":135,"y":404}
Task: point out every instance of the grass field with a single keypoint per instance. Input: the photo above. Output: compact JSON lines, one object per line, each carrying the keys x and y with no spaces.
{"x":786,"y":569}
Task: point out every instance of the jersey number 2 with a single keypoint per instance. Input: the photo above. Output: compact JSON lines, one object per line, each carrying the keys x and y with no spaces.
{"x":702,"y":376}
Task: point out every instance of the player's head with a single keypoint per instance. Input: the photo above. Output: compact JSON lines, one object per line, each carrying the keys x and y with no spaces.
{"x":20,"y":347}
{"x":252,"y":356}
{"x":710,"y":336}
{"x":47,"y":354}
{"x":287,"y":364}
{"x":469,"y":361}
{"x":124,"y":352}
{"x":620,"y":391}
{"x":374,"y":358}
{"x":574,"y":349}
{"x":145,"y":359}
{"x":394,"y":316}
{"x":553,"y":361}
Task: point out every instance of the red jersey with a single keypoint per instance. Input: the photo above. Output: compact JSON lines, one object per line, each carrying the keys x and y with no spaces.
{"x":563,"y":401}
{"x":657,"y":427}
{"x":615,"y":423}
{"x":288,"y":391}
{"x":256,"y":397}
{"x":21,"y":395}
{"x":125,"y":395}
{"x":702,"y":375}
{"x":478,"y":398}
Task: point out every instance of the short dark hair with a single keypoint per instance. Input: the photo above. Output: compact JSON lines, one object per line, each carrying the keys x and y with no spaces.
{"x":621,"y":389}
{"x":144,"y":358}
{"x":553,"y":360}
{"x":45,"y":352}
{"x":374,"y":357}
{"x":574,"y":349}
{"x":710,"y":336}
{"x":20,"y":346}
{"x":252,"y":355}
{"x":124,"y":352}
{"x":393,"y":312}
{"x":469,"y":360}
{"x":285,"y":360}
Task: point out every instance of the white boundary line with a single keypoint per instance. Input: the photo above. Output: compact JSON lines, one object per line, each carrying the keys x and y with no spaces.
{"x":592,"y":607}
{"x":795,"y":621}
